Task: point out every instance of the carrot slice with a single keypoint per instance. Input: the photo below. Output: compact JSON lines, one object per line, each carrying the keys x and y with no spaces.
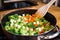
{"x":35,"y":24}
{"x":42,"y":31}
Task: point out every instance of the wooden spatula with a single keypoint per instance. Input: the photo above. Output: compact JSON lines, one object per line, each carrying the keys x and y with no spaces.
{"x":41,"y":12}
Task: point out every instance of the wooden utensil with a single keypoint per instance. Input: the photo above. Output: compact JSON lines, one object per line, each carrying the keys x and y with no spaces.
{"x":41,"y":12}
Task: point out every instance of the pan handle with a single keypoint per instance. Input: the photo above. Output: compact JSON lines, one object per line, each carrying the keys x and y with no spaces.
{"x":49,"y":36}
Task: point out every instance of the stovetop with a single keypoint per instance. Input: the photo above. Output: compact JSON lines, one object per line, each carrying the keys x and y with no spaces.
{"x":3,"y":36}
{"x":20,"y":4}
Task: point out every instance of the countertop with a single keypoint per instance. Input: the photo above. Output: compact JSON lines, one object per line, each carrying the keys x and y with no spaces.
{"x":53,"y":10}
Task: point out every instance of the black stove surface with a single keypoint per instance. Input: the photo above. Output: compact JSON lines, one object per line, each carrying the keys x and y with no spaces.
{"x":3,"y":36}
{"x":20,"y":4}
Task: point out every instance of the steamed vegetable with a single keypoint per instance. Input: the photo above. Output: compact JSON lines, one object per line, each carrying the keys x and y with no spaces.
{"x":27,"y":24}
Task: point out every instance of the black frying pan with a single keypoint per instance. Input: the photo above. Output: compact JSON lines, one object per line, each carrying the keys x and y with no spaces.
{"x":49,"y":17}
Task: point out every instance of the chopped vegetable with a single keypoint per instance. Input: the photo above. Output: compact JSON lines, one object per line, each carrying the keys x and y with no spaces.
{"x":27,"y":24}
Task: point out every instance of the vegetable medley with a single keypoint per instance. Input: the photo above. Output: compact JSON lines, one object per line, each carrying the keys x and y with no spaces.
{"x":27,"y":24}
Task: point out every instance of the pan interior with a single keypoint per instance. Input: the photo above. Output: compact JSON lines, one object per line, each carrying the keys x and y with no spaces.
{"x":49,"y":17}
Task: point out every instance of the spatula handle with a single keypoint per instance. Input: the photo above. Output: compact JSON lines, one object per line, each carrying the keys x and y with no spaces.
{"x":50,"y":3}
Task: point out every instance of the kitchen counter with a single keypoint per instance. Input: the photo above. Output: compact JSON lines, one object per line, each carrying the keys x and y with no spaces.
{"x":53,"y":10}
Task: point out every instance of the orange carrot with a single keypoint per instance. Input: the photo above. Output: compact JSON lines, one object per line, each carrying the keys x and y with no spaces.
{"x":35,"y":24}
{"x":42,"y":31}
{"x":41,"y":23}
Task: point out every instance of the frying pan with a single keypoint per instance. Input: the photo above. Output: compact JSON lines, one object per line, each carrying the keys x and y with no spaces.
{"x":49,"y":17}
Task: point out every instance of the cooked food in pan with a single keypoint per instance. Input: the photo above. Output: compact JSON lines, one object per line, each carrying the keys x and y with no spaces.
{"x":27,"y":24}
